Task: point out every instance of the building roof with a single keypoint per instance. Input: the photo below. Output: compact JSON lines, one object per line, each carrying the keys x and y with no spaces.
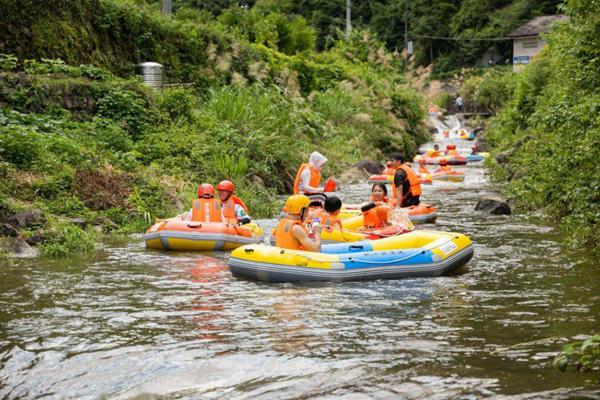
{"x":536,"y":26}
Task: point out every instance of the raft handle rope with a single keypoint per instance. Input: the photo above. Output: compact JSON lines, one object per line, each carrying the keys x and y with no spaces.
{"x":399,"y":259}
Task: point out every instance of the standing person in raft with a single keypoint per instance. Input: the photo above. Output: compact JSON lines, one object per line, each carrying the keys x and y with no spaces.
{"x":291,"y":232}
{"x":233,"y":209}
{"x":308,"y":177}
{"x":407,"y":188}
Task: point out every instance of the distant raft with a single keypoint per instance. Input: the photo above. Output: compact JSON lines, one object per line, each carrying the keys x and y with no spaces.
{"x":415,"y":254}
{"x":422,"y":214}
{"x":176,"y":234}
{"x":389,"y":179}
{"x":478,"y":157}
{"x":451,"y":176}
{"x":456,"y":159}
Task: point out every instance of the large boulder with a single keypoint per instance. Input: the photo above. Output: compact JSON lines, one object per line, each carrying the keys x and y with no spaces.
{"x":17,"y":247}
{"x":8,"y":230}
{"x":352,"y":176}
{"x":28,"y":218}
{"x":493,"y":204}
{"x":371,"y":167}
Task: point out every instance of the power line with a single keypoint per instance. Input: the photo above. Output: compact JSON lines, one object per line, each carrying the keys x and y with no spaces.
{"x":497,"y":39}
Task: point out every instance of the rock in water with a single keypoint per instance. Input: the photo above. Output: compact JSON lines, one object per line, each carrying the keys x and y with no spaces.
{"x":372,"y":167}
{"x":18,"y":248}
{"x":493,"y":204}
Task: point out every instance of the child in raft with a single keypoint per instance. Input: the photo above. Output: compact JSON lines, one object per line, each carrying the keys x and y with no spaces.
{"x":328,"y":215}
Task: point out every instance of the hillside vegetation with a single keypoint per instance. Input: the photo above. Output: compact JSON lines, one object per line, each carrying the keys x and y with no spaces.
{"x":548,"y":129}
{"x":442,"y":30}
{"x":85,"y":143}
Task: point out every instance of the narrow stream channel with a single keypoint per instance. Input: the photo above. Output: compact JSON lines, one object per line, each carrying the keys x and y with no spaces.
{"x":127,"y":321}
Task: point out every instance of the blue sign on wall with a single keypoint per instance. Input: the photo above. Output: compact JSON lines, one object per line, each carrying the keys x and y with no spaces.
{"x":521,"y":60}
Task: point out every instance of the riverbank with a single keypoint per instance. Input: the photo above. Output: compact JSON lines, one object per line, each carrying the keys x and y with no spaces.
{"x":89,"y":152}
{"x":546,"y":134}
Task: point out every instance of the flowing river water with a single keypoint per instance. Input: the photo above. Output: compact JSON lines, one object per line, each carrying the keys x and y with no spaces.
{"x":127,"y":322}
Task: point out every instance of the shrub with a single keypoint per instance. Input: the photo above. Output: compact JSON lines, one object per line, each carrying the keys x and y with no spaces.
{"x":68,"y":239}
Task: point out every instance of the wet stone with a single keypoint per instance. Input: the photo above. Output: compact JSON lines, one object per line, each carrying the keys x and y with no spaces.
{"x":493,"y":205}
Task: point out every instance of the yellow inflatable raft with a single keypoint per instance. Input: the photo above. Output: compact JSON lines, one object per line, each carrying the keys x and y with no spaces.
{"x":419,"y":253}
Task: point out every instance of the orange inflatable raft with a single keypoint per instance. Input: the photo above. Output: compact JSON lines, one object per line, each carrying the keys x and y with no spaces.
{"x":389,"y":179}
{"x":421,"y":214}
{"x":452,"y":159}
{"x":452,"y":176}
{"x":177,"y":234}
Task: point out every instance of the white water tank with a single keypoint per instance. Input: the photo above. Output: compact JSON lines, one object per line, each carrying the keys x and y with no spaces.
{"x":152,"y":73}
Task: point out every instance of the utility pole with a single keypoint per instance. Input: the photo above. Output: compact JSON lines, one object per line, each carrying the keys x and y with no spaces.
{"x":348,"y":24}
{"x":406,"y":24}
{"x":166,"y":7}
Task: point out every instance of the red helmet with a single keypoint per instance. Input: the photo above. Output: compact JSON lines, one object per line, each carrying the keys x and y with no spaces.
{"x":206,"y":188}
{"x":451,"y":147}
{"x":226,"y":185}
{"x":443,"y":161}
{"x":422,"y":161}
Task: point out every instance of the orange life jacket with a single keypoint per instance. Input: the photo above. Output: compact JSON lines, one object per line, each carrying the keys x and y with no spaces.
{"x":239,"y":201}
{"x":443,"y":168}
{"x":433,"y":153}
{"x":452,"y":152}
{"x":413,"y":180}
{"x":389,"y":171}
{"x":328,"y":221}
{"x":315,"y":177}
{"x":372,"y":219}
{"x":206,"y":210}
{"x":385,"y":200}
{"x":228,"y":211}
{"x":284,"y":237}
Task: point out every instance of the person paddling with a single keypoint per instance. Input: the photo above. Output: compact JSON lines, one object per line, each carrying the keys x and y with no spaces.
{"x":291,"y":232}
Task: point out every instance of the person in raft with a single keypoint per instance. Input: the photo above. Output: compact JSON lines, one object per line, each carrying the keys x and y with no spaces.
{"x":375,"y":215}
{"x":328,"y":215}
{"x":451,"y":150}
{"x":393,"y":164}
{"x":435,"y":152}
{"x":205,"y":208}
{"x":308,"y":177}
{"x":291,"y":233}
{"x":379,"y":194}
{"x":444,"y":167}
{"x":407,"y":188}
{"x":233,"y":209}
{"x":423,"y":167}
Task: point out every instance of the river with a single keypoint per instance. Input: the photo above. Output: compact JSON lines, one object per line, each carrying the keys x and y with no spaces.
{"x":127,"y":322}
